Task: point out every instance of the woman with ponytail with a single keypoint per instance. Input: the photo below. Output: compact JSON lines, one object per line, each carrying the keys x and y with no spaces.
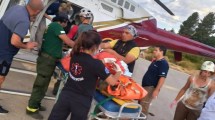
{"x":77,"y":94}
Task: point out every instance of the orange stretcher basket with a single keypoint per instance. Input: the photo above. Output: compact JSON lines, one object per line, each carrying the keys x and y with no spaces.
{"x":65,"y":62}
{"x":110,"y":66}
{"x":127,"y":89}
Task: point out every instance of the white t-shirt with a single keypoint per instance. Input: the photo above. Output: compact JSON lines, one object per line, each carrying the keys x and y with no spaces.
{"x":208,"y":112}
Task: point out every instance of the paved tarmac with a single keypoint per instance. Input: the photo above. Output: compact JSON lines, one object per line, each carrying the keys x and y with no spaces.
{"x":19,"y":81}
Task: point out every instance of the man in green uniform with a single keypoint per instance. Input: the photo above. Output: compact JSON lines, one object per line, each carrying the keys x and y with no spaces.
{"x":51,"y":52}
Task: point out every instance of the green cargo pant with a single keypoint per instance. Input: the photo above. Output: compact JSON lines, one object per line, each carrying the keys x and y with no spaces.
{"x":45,"y":68}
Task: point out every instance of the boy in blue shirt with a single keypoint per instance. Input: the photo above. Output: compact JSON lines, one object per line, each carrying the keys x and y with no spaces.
{"x":154,"y":78}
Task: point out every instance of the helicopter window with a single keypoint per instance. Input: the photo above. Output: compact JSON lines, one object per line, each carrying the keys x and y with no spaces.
{"x":127,"y":4}
{"x":113,"y":1}
{"x":106,"y":7}
{"x":132,"y":8}
{"x":120,"y":2}
{"x":1,"y":1}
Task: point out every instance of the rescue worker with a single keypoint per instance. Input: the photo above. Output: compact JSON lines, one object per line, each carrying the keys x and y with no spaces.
{"x":154,"y":77}
{"x":14,"y":26}
{"x":195,"y":93}
{"x":77,"y":94}
{"x":126,"y":48}
{"x":86,"y":17}
{"x":51,"y":52}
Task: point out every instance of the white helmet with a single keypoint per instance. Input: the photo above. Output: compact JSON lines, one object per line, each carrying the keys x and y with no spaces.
{"x":208,"y":66}
{"x":85,"y":13}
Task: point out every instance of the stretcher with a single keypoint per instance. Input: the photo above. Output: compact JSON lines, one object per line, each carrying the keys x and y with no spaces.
{"x":107,"y":105}
{"x":62,"y":76}
{"x":108,"y":109}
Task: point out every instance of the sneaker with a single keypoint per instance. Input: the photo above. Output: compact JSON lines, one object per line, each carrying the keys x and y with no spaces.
{"x":3,"y":111}
{"x":36,"y":115}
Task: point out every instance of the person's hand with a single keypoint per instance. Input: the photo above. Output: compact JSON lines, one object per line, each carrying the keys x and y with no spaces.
{"x":31,"y":45}
{"x":173,"y":104}
{"x":155,"y":94}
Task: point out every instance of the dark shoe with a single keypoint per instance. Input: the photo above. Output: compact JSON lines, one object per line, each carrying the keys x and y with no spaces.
{"x":3,"y":111}
{"x":35,"y":115}
{"x":42,"y":108}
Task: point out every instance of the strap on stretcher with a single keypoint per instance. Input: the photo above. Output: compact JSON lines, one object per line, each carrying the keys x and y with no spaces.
{"x":100,"y":103}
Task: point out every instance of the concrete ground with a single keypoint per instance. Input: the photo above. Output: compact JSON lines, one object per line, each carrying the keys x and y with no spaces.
{"x":19,"y":81}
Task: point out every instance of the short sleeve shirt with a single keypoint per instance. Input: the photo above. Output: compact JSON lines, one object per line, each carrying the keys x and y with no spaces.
{"x":156,"y":70}
{"x":83,"y":28}
{"x":15,"y":20}
{"x":84,"y":72}
{"x":52,"y":44}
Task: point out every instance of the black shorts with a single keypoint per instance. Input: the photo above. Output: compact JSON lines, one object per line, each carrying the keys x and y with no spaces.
{"x":4,"y":68}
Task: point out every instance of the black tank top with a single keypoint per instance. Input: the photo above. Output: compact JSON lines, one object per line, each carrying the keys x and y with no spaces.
{"x":123,"y":48}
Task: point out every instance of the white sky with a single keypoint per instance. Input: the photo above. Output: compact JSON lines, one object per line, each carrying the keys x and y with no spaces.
{"x":181,"y":8}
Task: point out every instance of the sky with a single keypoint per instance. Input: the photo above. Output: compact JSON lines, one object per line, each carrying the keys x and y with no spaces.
{"x":181,"y":8}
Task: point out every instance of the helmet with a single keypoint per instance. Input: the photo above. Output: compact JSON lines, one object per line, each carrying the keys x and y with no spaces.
{"x":208,"y":66}
{"x":85,"y":13}
{"x":132,"y":30}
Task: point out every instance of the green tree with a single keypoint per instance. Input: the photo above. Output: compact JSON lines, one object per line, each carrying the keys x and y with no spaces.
{"x":210,"y":41}
{"x":188,"y":26}
{"x":205,"y":28}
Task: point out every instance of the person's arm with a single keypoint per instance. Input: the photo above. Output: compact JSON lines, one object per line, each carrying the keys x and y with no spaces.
{"x":108,"y":45}
{"x":66,"y":40}
{"x":20,"y":32}
{"x":127,"y":59}
{"x":47,"y":16}
{"x":181,"y":92}
{"x":113,"y":79}
{"x":184,"y":89}
{"x":105,"y":45}
{"x":104,"y":74}
{"x":16,"y":41}
{"x":158,"y":87}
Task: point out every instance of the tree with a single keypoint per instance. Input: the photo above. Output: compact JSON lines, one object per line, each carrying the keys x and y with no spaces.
{"x":188,"y":26}
{"x":205,"y":28}
{"x":172,"y":30}
{"x":210,"y":41}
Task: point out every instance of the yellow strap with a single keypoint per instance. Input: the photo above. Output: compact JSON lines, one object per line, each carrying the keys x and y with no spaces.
{"x":31,"y":109}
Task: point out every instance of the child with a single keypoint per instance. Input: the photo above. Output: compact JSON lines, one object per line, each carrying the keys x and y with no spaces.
{"x":77,"y":94}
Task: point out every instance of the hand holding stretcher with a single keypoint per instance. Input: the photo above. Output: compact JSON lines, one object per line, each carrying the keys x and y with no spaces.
{"x":127,"y":88}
